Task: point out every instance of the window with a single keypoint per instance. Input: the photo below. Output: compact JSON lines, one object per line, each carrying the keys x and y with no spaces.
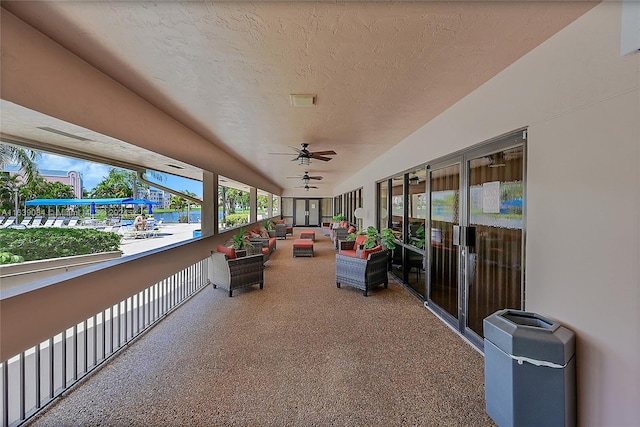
{"x":233,"y":204}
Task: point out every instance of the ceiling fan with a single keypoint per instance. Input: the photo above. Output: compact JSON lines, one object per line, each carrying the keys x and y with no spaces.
{"x":304,"y":156}
{"x":307,"y":187}
{"x":306,"y":177}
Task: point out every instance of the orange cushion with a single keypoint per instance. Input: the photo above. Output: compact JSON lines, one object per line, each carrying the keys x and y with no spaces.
{"x":351,"y":229}
{"x":360,"y":240}
{"x":365,"y":252}
{"x":300,"y":243}
{"x":349,"y":252}
{"x":229,"y":253}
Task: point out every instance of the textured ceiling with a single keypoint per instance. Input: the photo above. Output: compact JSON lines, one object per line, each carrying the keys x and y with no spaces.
{"x":380,"y":70}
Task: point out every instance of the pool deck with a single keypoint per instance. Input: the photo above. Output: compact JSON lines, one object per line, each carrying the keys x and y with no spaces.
{"x":168,"y":234}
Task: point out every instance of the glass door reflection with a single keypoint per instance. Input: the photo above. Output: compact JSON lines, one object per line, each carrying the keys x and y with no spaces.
{"x":445,"y":214}
{"x":496,"y":190}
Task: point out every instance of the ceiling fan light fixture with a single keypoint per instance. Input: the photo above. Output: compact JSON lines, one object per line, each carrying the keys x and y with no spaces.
{"x":303,"y":161}
{"x":414,"y":180}
{"x":302,"y":100}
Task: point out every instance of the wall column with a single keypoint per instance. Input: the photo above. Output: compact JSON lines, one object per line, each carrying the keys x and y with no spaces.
{"x":209,"y":217}
{"x":253,"y":202}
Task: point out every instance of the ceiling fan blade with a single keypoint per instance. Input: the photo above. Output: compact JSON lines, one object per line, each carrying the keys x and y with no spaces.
{"x":324,"y":159}
{"x":325,"y":153}
{"x":314,"y":177}
{"x":285,"y":154}
{"x":297,"y":149}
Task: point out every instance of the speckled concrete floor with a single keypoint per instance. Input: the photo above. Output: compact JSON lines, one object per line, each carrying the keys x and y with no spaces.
{"x":300,"y":352}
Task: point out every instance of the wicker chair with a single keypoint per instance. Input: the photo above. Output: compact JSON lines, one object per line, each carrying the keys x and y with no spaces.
{"x":364,"y":274}
{"x":281,"y":231}
{"x":236,"y":273}
{"x":337,"y":235}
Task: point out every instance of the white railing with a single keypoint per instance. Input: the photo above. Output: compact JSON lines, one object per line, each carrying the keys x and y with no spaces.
{"x":35,"y":377}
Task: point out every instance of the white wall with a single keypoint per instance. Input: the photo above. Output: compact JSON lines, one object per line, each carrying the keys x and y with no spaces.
{"x":581,"y":102}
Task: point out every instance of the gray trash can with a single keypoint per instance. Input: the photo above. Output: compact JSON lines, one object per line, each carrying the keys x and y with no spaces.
{"x":529,"y":370}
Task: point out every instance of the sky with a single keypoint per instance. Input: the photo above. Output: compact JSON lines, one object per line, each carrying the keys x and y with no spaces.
{"x":93,"y":173}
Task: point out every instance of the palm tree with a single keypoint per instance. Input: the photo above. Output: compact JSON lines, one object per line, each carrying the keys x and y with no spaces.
{"x":24,"y":158}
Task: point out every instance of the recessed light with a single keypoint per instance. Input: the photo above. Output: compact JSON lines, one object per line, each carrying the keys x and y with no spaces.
{"x":302,"y":100}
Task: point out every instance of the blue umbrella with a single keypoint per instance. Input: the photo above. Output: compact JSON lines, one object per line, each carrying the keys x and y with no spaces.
{"x":150,"y":208}
{"x":93,"y":208}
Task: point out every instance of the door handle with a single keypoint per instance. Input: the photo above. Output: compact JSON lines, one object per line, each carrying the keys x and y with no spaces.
{"x":464,"y":235}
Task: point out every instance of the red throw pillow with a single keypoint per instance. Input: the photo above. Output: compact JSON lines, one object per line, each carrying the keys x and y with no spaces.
{"x":365,"y":252}
{"x":360,"y":240}
{"x":351,"y":229}
{"x":229,"y":253}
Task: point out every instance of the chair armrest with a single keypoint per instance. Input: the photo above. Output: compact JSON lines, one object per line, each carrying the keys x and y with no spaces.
{"x":246,"y":270}
{"x":346,"y":245}
{"x":262,"y":241}
{"x":350,"y":268}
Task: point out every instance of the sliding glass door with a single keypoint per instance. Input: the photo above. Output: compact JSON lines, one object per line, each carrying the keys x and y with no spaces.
{"x":445,"y":216}
{"x":476,"y":234}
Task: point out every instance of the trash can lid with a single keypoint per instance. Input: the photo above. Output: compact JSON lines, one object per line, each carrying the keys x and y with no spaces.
{"x":525,"y":334}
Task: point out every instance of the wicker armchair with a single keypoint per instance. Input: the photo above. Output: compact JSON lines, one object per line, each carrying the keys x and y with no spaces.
{"x":337,"y":235}
{"x":364,"y":274}
{"x":236,"y":273}
{"x":281,"y":231}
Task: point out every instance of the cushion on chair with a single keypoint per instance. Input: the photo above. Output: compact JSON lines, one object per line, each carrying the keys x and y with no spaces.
{"x":229,"y":253}
{"x":361,"y":239}
{"x":351,"y":229}
{"x":364,"y":254}
{"x":349,"y":252}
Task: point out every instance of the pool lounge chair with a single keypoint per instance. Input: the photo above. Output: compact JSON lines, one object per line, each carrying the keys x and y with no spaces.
{"x":26,"y":221}
{"x":58,"y":222}
{"x":37,"y":222}
{"x":49,"y":222}
{"x":73,"y":222}
{"x":10,"y":221}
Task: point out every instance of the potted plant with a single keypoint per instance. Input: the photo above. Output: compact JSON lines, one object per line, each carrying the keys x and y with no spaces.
{"x":241,"y":242}
{"x":387,"y":238}
{"x":268,"y":225}
{"x":372,"y":237}
{"x":419,"y":238}
{"x":338,"y":218}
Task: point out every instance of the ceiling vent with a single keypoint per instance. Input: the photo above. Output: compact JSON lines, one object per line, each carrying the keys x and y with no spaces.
{"x":302,"y":100}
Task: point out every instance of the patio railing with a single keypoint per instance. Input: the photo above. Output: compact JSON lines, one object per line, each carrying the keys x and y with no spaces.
{"x":35,"y":377}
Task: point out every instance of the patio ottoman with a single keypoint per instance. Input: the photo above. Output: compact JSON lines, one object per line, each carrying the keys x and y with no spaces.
{"x":308,"y":235}
{"x":302,"y":247}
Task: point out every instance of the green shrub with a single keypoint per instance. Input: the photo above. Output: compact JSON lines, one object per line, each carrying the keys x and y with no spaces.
{"x":9,"y":258}
{"x":234,"y":220}
{"x":45,"y":243}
